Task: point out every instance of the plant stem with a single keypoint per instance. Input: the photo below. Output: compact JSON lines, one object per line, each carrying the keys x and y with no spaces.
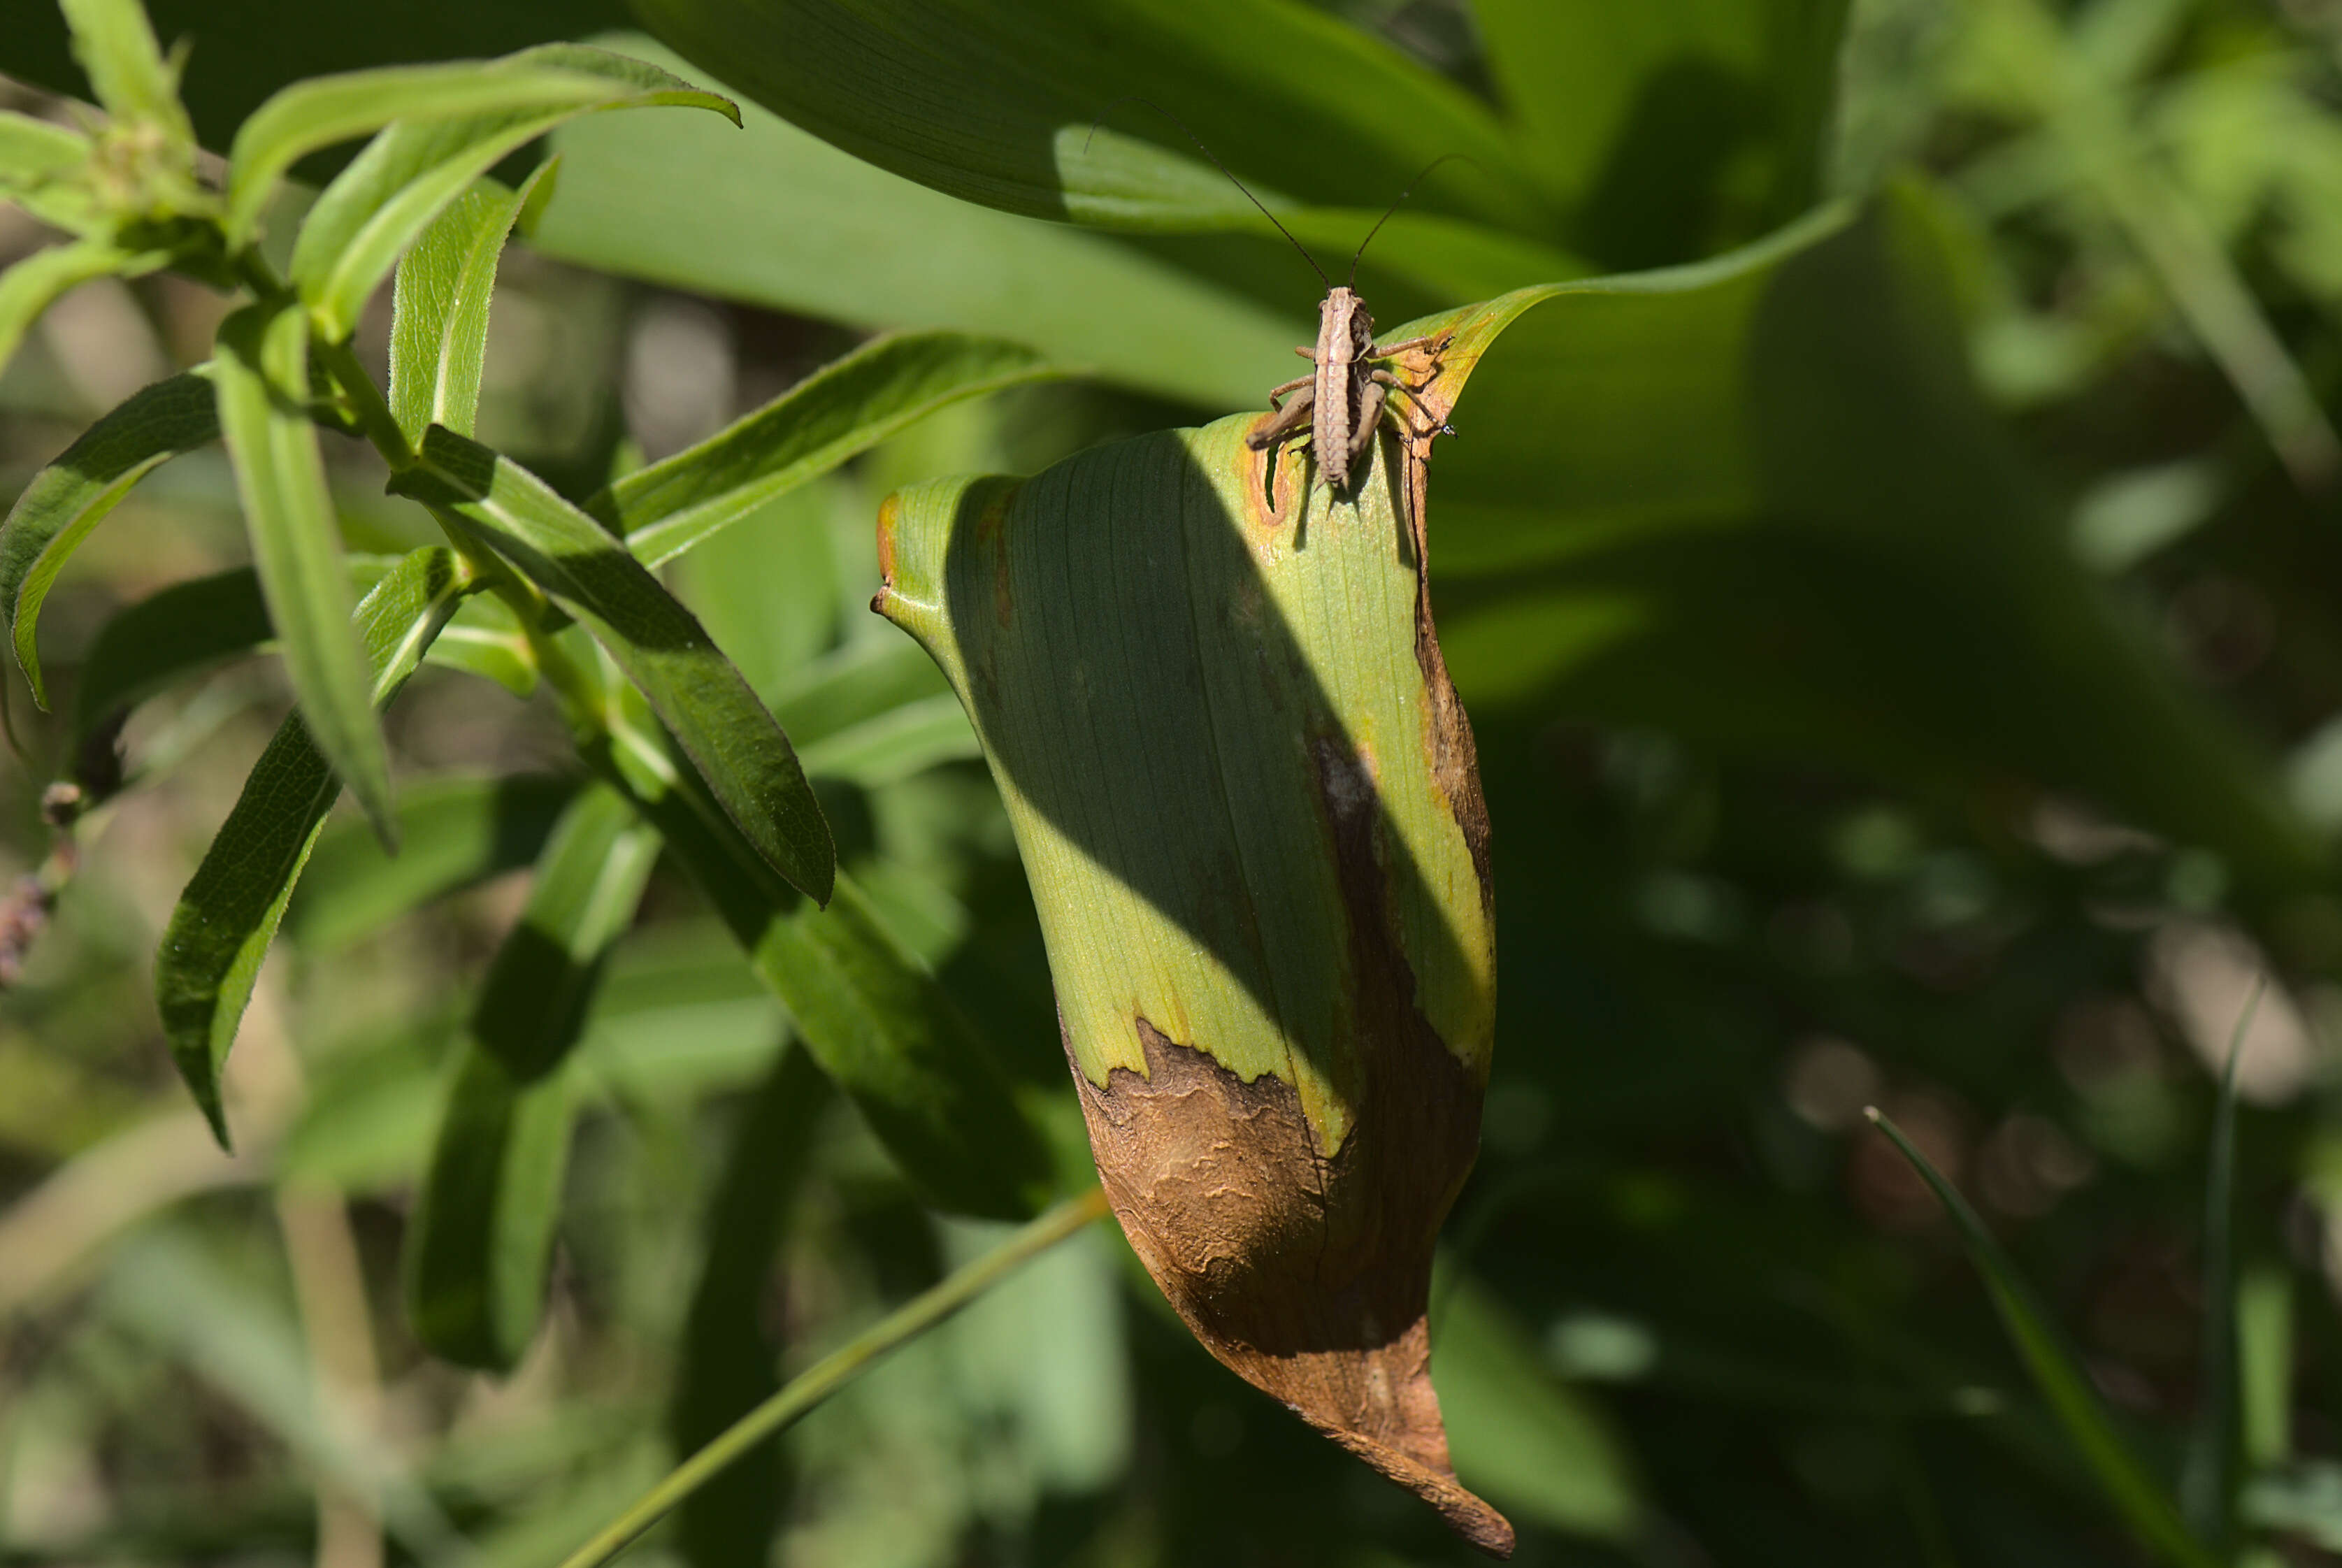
{"x":381,"y":427}
{"x":834,"y":1371}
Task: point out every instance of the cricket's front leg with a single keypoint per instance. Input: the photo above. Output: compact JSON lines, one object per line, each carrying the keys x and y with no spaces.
{"x":1435,"y":341}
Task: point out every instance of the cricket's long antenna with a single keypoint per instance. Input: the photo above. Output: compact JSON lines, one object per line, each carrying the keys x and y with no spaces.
{"x":1135,"y":98}
{"x":1443,"y":158}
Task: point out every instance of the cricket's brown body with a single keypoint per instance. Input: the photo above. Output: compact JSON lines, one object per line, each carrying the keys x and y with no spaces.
{"x":1343,"y":400}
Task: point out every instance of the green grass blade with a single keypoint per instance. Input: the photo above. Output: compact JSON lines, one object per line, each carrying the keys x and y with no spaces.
{"x":454,"y":833}
{"x":483,"y":1234}
{"x":116,"y":47}
{"x":220,"y":932}
{"x":74,"y":494}
{"x":839,"y":412}
{"x":817,"y":1382}
{"x":2137,"y":1498}
{"x":439,"y":309}
{"x":703,"y":700}
{"x":2207,"y":1488}
{"x":728,"y":1364}
{"x":262,"y":376}
{"x":389,"y":195}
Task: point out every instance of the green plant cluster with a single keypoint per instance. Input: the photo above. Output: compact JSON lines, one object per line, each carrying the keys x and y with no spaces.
{"x":1883,"y":555}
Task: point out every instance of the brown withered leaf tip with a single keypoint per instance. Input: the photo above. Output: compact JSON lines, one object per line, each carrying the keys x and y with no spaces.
{"x":1306,"y":1274}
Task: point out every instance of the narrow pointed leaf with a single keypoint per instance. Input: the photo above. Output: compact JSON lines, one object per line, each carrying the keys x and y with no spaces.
{"x":439,"y":309}
{"x":482,"y":1233}
{"x":220,"y":932}
{"x":375,"y":208}
{"x":699,"y":696}
{"x":454,"y":834}
{"x":839,"y":411}
{"x":29,"y":286}
{"x":870,"y":1012}
{"x":2208,"y":1483}
{"x":43,"y":168}
{"x":72,"y":495}
{"x":308,"y":115}
{"x":263,"y":380}
{"x":116,"y":48}
{"x":2137,"y":1498}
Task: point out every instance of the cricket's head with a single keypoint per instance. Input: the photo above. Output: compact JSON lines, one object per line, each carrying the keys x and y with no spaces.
{"x":1343,"y":317}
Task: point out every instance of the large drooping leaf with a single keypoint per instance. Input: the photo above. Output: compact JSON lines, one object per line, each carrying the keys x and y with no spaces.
{"x":220,"y":932}
{"x":697,"y":693}
{"x":390,"y":194}
{"x":482,"y":1238}
{"x":1758,"y":501}
{"x":840,"y":410}
{"x":992,"y":104}
{"x":72,"y":495}
{"x":1246,"y":801}
{"x":681,"y":200}
{"x":439,"y":308}
{"x":1667,"y":129}
{"x":261,"y":385}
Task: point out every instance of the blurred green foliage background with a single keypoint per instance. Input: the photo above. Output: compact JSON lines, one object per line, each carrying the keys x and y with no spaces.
{"x":1811,"y":790}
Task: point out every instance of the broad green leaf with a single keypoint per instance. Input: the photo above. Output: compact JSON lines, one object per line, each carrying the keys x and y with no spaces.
{"x":839,"y":411}
{"x":1742,"y":501}
{"x":680,"y":200}
{"x":453,"y":832}
{"x":1539,"y":1446}
{"x":212,"y":948}
{"x":697,"y":693}
{"x":246,"y":50}
{"x":72,"y":495}
{"x":262,"y":377}
{"x":728,"y":1363}
{"x":1670,"y":129}
{"x":375,"y":208}
{"x":318,"y":113}
{"x":439,"y":309}
{"x":992,"y":105}
{"x":43,"y":169}
{"x":116,"y":46}
{"x":870,"y":1013}
{"x":2065,"y":1382}
{"x":477,"y":1254}
{"x":29,"y":286}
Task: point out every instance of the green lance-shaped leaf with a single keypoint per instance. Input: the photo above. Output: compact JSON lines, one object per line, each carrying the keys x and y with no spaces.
{"x":439,"y":306}
{"x":2207,"y":1481}
{"x":453,"y":832}
{"x":72,"y":495}
{"x":1245,"y":796}
{"x":33,"y":284}
{"x":868,"y":1011}
{"x":375,"y":208}
{"x":116,"y":46}
{"x":220,"y":932}
{"x":2064,"y":1382}
{"x":483,"y":1234}
{"x":44,"y":170}
{"x":262,"y":376}
{"x":697,"y":693}
{"x":839,"y":411}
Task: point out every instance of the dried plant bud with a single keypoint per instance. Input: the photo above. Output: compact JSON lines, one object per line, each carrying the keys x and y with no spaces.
{"x":1246,"y":799}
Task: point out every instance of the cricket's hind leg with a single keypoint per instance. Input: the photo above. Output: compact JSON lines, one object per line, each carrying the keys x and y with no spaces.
{"x":1291,"y":419}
